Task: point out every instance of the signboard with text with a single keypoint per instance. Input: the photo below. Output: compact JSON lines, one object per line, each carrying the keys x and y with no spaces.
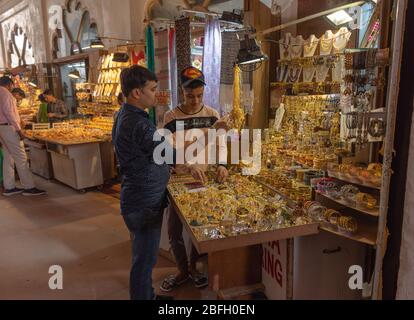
{"x":275,"y":270}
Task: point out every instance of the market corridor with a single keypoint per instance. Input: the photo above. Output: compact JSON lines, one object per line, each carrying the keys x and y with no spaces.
{"x":83,"y":233}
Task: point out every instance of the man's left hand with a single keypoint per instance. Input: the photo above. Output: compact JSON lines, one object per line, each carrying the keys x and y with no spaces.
{"x":221,"y":125}
{"x":222,"y":174}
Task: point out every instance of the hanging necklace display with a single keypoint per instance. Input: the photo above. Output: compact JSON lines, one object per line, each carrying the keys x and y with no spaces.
{"x":296,"y":47}
{"x":326,"y":121}
{"x":346,"y":100}
{"x":341,"y":39}
{"x":309,"y":46}
{"x":365,"y":128}
{"x":371,"y":59}
{"x":360,"y":60}
{"x":351,"y":124}
{"x":308,"y":73}
{"x":349,"y":61}
{"x":371,"y":63}
{"x":376,"y":128}
{"x":337,"y":70}
{"x":281,"y":72}
{"x":294,"y":74}
{"x":359,"y":138}
{"x":346,"y":103}
{"x":362,"y":102}
{"x":322,"y":70}
{"x":361,"y":81}
{"x":326,"y":43}
{"x":331,"y":61}
{"x":284,"y":47}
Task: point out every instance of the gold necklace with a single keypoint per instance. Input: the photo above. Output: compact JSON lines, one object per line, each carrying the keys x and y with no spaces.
{"x":326,"y":45}
{"x":310,"y":46}
{"x":337,"y":70}
{"x":294,"y":77}
{"x":281,"y":72}
{"x":321,"y":73}
{"x":341,"y":39}
{"x":284,"y":47}
{"x":308,"y":74}
{"x":296,"y":47}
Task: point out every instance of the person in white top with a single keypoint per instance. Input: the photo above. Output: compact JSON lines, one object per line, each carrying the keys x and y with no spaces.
{"x":192,"y":114}
{"x":11,"y":138}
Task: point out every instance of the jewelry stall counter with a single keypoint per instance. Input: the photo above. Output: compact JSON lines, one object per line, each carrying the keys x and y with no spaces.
{"x":75,"y":155}
{"x":231,"y":221}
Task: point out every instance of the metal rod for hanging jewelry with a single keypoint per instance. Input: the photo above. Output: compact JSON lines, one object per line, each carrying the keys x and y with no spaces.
{"x":311,"y":17}
{"x":209,"y":13}
{"x":118,"y":39}
{"x":171,"y":23}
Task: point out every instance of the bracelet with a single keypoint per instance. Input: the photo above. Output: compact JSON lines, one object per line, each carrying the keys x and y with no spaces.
{"x":334,"y":193}
{"x":366,"y":200}
{"x":326,"y":184}
{"x":349,"y":192}
{"x":331,"y":214}
{"x":308,"y":204}
{"x":317,"y":212}
{"x":334,"y":218}
{"x":361,"y":197}
{"x":348,"y":224}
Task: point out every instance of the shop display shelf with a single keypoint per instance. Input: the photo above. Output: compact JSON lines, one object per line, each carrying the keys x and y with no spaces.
{"x":354,"y":182}
{"x":374,"y":213}
{"x":366,"y":234}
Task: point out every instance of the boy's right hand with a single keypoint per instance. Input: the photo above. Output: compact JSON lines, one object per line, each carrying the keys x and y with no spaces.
{"x":198,"y":174}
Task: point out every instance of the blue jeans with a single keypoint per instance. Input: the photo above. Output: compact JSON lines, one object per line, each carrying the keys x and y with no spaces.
{"x":146,"y":229}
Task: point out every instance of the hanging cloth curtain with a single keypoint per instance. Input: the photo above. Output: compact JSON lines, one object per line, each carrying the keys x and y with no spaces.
{"x":183,"y":46}
{"x":230,"y":48}
{"x":212,"y":63}
{"x":149,"y":35}
{"x":173,"y":68}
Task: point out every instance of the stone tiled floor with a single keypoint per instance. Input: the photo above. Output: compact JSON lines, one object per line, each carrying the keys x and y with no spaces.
{"x":83,"y":233}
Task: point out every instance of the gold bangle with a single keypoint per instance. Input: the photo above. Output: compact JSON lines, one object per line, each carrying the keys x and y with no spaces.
{"x":361,"y":197}
{"x":332,"y":216}
{"x":371,"y":202}
{"x":366,"y":200}
{"x":348,"y":224}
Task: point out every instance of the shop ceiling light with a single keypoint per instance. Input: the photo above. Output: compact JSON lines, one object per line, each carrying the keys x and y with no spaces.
{"x":250,"y":52}
{"x":235,"y":17}
{"x":97,"y":44}
{"x":339,"y":18}
{"x":75,"y":74}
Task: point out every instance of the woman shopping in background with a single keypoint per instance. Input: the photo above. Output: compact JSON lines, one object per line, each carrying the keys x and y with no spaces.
{"x":56,"y":109}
